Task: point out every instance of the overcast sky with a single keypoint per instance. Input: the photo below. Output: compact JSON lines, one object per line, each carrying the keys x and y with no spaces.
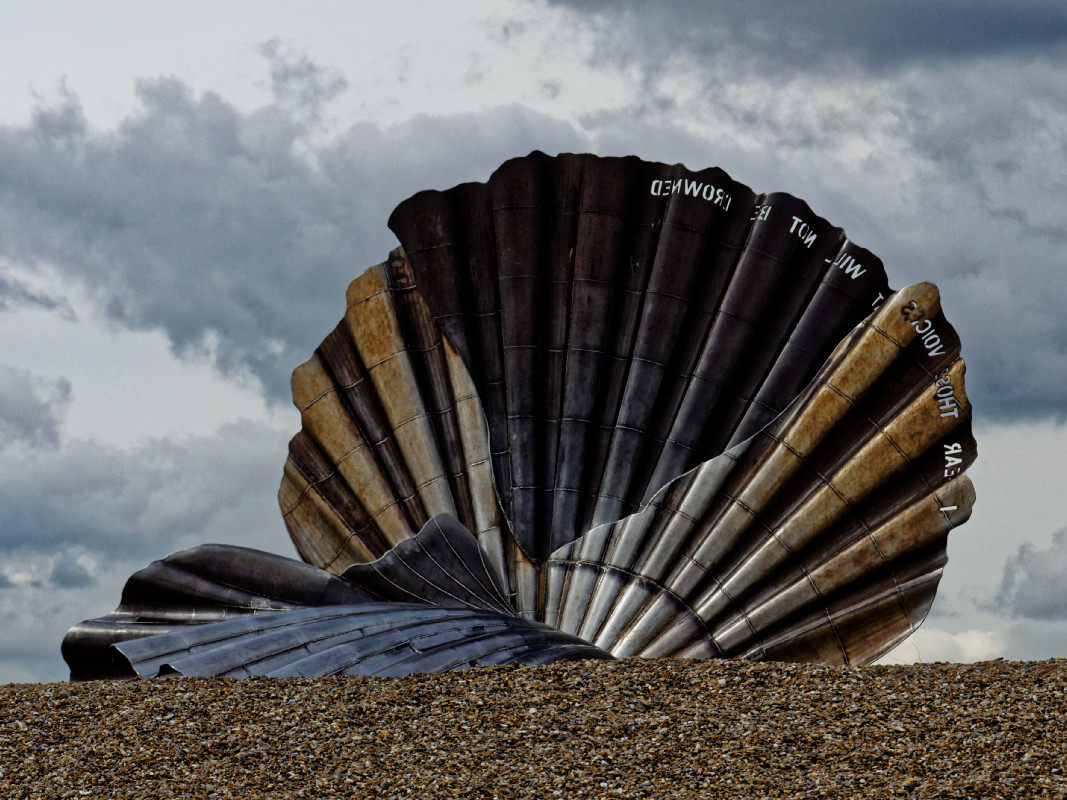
{"x":186,"y":189}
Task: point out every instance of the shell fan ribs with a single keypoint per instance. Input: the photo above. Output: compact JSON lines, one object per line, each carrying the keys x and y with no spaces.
{"x":593,"y":407}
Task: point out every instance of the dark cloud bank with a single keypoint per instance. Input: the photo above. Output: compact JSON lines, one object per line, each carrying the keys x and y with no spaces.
{"x":829,"y":33}
{"x":213,"y":224}
{"x":933,"y":132}
{"x":200,"y":220}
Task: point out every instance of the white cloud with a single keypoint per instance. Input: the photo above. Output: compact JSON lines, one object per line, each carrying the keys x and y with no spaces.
{"x":30,"y":407}
{"x":81,"y":517}
{"x":1034,"y":581}
{"x":929,"y":644}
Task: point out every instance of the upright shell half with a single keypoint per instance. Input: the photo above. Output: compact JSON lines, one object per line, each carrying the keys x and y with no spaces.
{"x":592,"y":407}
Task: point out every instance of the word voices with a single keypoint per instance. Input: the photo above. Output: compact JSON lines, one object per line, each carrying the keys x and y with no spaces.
{"x":924,"y":328}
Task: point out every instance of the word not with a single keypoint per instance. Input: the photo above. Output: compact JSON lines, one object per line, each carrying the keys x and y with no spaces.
{"x":804,"y":231}
{"x":946,"y":395}
{"x":924,"y":327}
{"x":693,"y":189}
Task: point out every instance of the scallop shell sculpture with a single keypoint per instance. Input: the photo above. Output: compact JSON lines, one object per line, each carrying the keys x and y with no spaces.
{"x":594,"y":407}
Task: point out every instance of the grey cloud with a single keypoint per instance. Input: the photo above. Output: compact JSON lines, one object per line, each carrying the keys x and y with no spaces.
{"x":69,"y":573}
{"x":147,"y":503}
{"x":37,"y":616}
{"x":1034,"y":581}
{"x":30,"y":408}
{"x":77,"y":520}
{"x":62,"y":123}
{"x":831,"y":35}
{"x":299,"y":82}
{"x":16,"y":293}
{"x":950,"y":167}
{"x":213,"y":225}
{"x":1034,"y":640}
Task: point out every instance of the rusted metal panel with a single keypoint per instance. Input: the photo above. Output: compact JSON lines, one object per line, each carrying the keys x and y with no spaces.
{"x":392,"y":433}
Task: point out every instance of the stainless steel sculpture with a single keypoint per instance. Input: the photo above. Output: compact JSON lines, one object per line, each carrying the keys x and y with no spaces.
{"x":593,"y":407}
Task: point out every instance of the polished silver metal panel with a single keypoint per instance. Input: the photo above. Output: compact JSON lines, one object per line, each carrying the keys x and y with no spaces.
{"x":369,"y":639}
{"x":198,"y":586}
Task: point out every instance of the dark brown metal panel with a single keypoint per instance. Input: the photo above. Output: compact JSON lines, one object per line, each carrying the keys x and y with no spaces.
{"x":635,"y":265}
{"x":603,"y":277}
{"x":782,"y":256}
{"x":518,"y":201}
{"x":481,"y":303}
{"x":427,"y":226}
{"x":684,"y":288}
{"x":852,"y":286}
{"x":784,"y":311}
{"x":560,"y":226}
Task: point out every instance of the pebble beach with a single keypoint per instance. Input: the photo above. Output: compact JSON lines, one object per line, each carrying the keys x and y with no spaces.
{"x":630,"y":728}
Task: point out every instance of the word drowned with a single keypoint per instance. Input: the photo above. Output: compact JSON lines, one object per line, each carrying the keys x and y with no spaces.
{"x":691,"y":188}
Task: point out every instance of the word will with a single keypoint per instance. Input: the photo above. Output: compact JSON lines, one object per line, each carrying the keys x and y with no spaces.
{"x":850,"y":265}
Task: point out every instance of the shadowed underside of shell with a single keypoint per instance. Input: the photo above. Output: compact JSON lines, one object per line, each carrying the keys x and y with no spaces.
{"x":591,"y":407}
